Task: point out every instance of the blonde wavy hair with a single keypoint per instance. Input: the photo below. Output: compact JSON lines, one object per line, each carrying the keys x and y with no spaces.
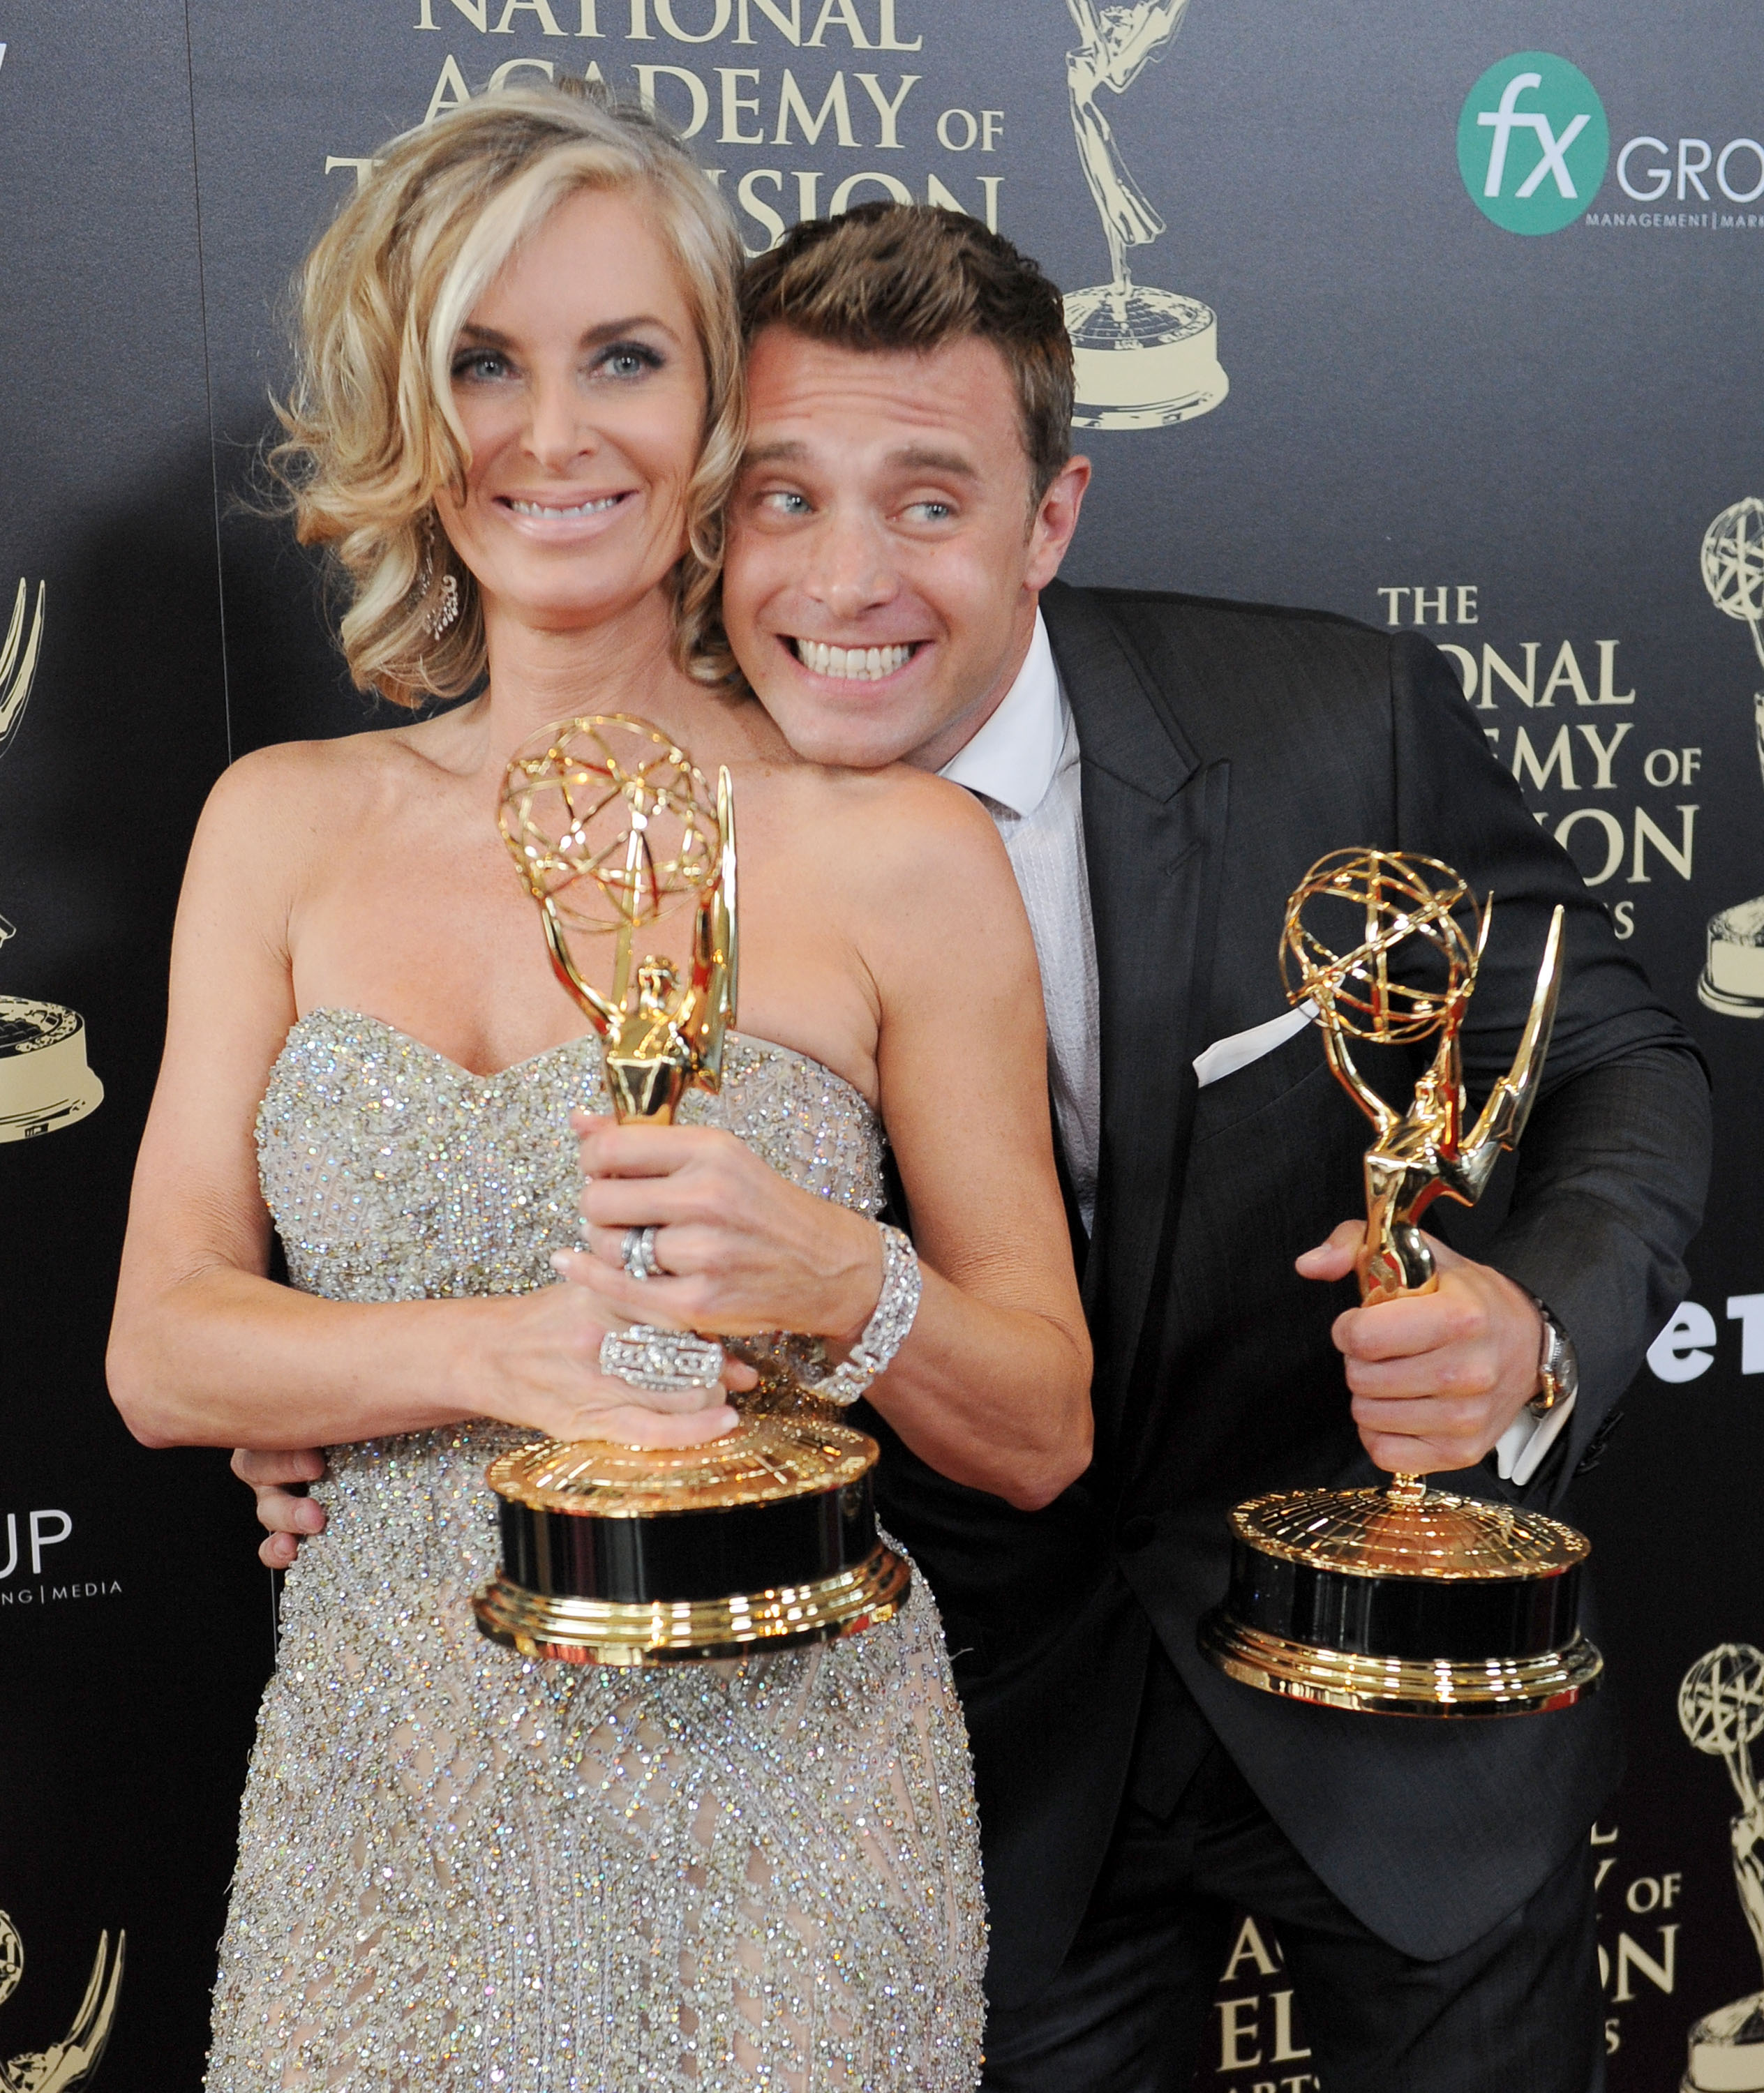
{"x":371,"y":432}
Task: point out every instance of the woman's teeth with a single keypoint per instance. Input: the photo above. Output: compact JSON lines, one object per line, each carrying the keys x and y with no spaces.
{"x":861,"y":663}
{"x":592,"y":508}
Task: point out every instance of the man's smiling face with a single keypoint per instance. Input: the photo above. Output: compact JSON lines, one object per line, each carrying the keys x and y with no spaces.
{"x":884,"y":556}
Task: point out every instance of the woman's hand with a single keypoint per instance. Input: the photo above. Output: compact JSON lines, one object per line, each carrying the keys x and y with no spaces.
{"x":537,"y":1364}
{"x":741,"y":1249}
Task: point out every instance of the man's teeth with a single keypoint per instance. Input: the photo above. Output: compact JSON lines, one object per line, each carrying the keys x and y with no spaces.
{"x":860,"y":663}
{"x":582,"y":508}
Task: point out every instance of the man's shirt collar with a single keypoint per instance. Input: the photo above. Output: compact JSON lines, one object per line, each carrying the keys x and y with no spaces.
{"x":1014,"y":757}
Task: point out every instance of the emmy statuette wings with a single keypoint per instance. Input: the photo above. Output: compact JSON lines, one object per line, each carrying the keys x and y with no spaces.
{"x":72,"y":2061}
{"x":1721,"y":1710}
{"x":1408,"y":1600}
{"x":765,"y":1537}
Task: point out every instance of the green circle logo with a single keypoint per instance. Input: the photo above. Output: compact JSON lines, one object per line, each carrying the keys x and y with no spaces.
{"x":1532,"y":142}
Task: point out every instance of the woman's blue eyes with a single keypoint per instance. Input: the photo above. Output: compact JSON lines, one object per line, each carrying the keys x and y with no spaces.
{"x":623,"y":360}
{"x":629,"y":359}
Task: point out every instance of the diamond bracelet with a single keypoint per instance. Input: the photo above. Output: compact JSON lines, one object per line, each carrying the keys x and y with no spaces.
{"x":885,"y":1332}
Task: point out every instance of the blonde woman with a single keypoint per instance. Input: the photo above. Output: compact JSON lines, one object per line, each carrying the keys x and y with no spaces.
{"x":517,"y":414}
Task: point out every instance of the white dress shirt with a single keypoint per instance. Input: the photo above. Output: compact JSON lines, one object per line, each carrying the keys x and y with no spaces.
{"x":1023,"y":766}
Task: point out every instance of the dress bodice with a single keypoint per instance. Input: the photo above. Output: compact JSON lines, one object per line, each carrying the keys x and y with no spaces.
{"x":393,"y":1174}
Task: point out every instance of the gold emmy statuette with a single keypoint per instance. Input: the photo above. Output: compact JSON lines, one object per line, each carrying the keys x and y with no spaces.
{"x":765,"y":1537}
{"x":45,"y":1081}
{"x":1406,"y":1601}
{"x":72,"y":2061}
{"x":1721,"y":1710}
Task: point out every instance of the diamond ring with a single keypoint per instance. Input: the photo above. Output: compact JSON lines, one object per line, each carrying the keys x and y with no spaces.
{"x":638,"y":1254}
{"x":665,"y":1360}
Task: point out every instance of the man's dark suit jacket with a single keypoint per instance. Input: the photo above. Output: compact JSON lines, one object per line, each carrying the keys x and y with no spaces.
{"x":1225,"y":748}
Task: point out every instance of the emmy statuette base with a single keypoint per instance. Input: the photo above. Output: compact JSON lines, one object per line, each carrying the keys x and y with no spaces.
{"x":1143,"y":358}
{"x":626,"y":1555}
{"x":1732,"y":979}
{"x":45,"y":1082}
{"x":608,"y":1632}
{"x":1727,"y":2050}
{"x":1714,"y":998}
{"x":1393,"y":1603}
{"x":1401,"y":1686}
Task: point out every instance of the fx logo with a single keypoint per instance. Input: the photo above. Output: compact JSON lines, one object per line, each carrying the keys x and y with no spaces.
{"x":1532,"y":142}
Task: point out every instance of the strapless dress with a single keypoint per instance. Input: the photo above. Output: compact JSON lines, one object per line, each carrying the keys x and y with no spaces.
{"x":460,"y":1870}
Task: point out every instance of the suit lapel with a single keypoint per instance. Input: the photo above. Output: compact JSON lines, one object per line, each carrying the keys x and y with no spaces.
{"x":1153,"y":831}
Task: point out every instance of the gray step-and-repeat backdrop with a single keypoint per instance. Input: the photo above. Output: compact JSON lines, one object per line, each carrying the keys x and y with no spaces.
{"x":1444,"y":318}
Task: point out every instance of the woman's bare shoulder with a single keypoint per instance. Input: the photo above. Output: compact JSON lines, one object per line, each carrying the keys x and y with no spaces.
{"x":915,"y":868}
{"x":900,"y":816}
{"x":295,"y":796}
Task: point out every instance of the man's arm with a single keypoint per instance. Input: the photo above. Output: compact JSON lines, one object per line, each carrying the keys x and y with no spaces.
{"x":1612,"y":1175}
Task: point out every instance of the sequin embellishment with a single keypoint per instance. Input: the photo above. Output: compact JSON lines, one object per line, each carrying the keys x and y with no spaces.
{"x":459,"y":1870}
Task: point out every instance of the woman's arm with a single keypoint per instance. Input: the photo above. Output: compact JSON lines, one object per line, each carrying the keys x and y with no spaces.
{"x":205,"y":1349}
{"x":992,"y":1386}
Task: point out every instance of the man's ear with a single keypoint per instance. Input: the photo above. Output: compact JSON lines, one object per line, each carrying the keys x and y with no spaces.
{"x":1056,"y":518}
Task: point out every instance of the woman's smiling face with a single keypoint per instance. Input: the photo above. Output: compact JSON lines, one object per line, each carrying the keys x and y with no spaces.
{"x":579,"y":380}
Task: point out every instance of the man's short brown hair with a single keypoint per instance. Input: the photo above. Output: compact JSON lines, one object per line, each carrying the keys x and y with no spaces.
{"x":910,"y":276}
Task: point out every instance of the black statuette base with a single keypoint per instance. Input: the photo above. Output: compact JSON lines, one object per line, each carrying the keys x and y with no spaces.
{"x":1403,"y":1645}
{"x":674,"y":1557}
{"x":677,"y":1586}
{"x":1420,"y":1618}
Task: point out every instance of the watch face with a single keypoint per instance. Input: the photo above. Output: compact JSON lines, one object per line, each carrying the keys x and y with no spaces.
{"x":1559,"y":1361}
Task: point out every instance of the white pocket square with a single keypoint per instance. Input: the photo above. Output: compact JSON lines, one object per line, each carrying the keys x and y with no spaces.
{"x":1225,"y":1057}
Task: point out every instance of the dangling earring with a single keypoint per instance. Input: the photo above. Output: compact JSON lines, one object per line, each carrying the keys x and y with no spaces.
{"x":442,"y":615}
{"x":446,"y":612}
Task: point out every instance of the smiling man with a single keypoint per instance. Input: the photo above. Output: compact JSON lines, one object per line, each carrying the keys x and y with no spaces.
{"x":886,"y":627}
{"x":1163,"y":770}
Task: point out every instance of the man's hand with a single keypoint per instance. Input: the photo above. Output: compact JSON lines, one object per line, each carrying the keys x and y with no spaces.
{"x":288,"y":1516}
{"x":1438,"y":1377}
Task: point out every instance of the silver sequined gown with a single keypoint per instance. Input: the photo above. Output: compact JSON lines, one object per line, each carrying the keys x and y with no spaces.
{"x":459,"y":1869}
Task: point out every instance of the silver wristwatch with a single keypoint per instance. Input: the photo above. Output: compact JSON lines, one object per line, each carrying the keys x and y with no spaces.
{"x":1558,"y":1367}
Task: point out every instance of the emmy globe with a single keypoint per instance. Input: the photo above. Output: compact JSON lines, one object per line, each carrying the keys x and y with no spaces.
{"x":1408,"y":1601}
{"x":765,"y":1537}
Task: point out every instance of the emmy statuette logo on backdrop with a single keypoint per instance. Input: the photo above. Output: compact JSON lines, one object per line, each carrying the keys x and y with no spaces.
{"x":1733,"y":573}
{"x":74,"y":2059}
{"x":45,"y":1082}
{"x":1145,"y":359}
{"x":1721,"y":1707}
